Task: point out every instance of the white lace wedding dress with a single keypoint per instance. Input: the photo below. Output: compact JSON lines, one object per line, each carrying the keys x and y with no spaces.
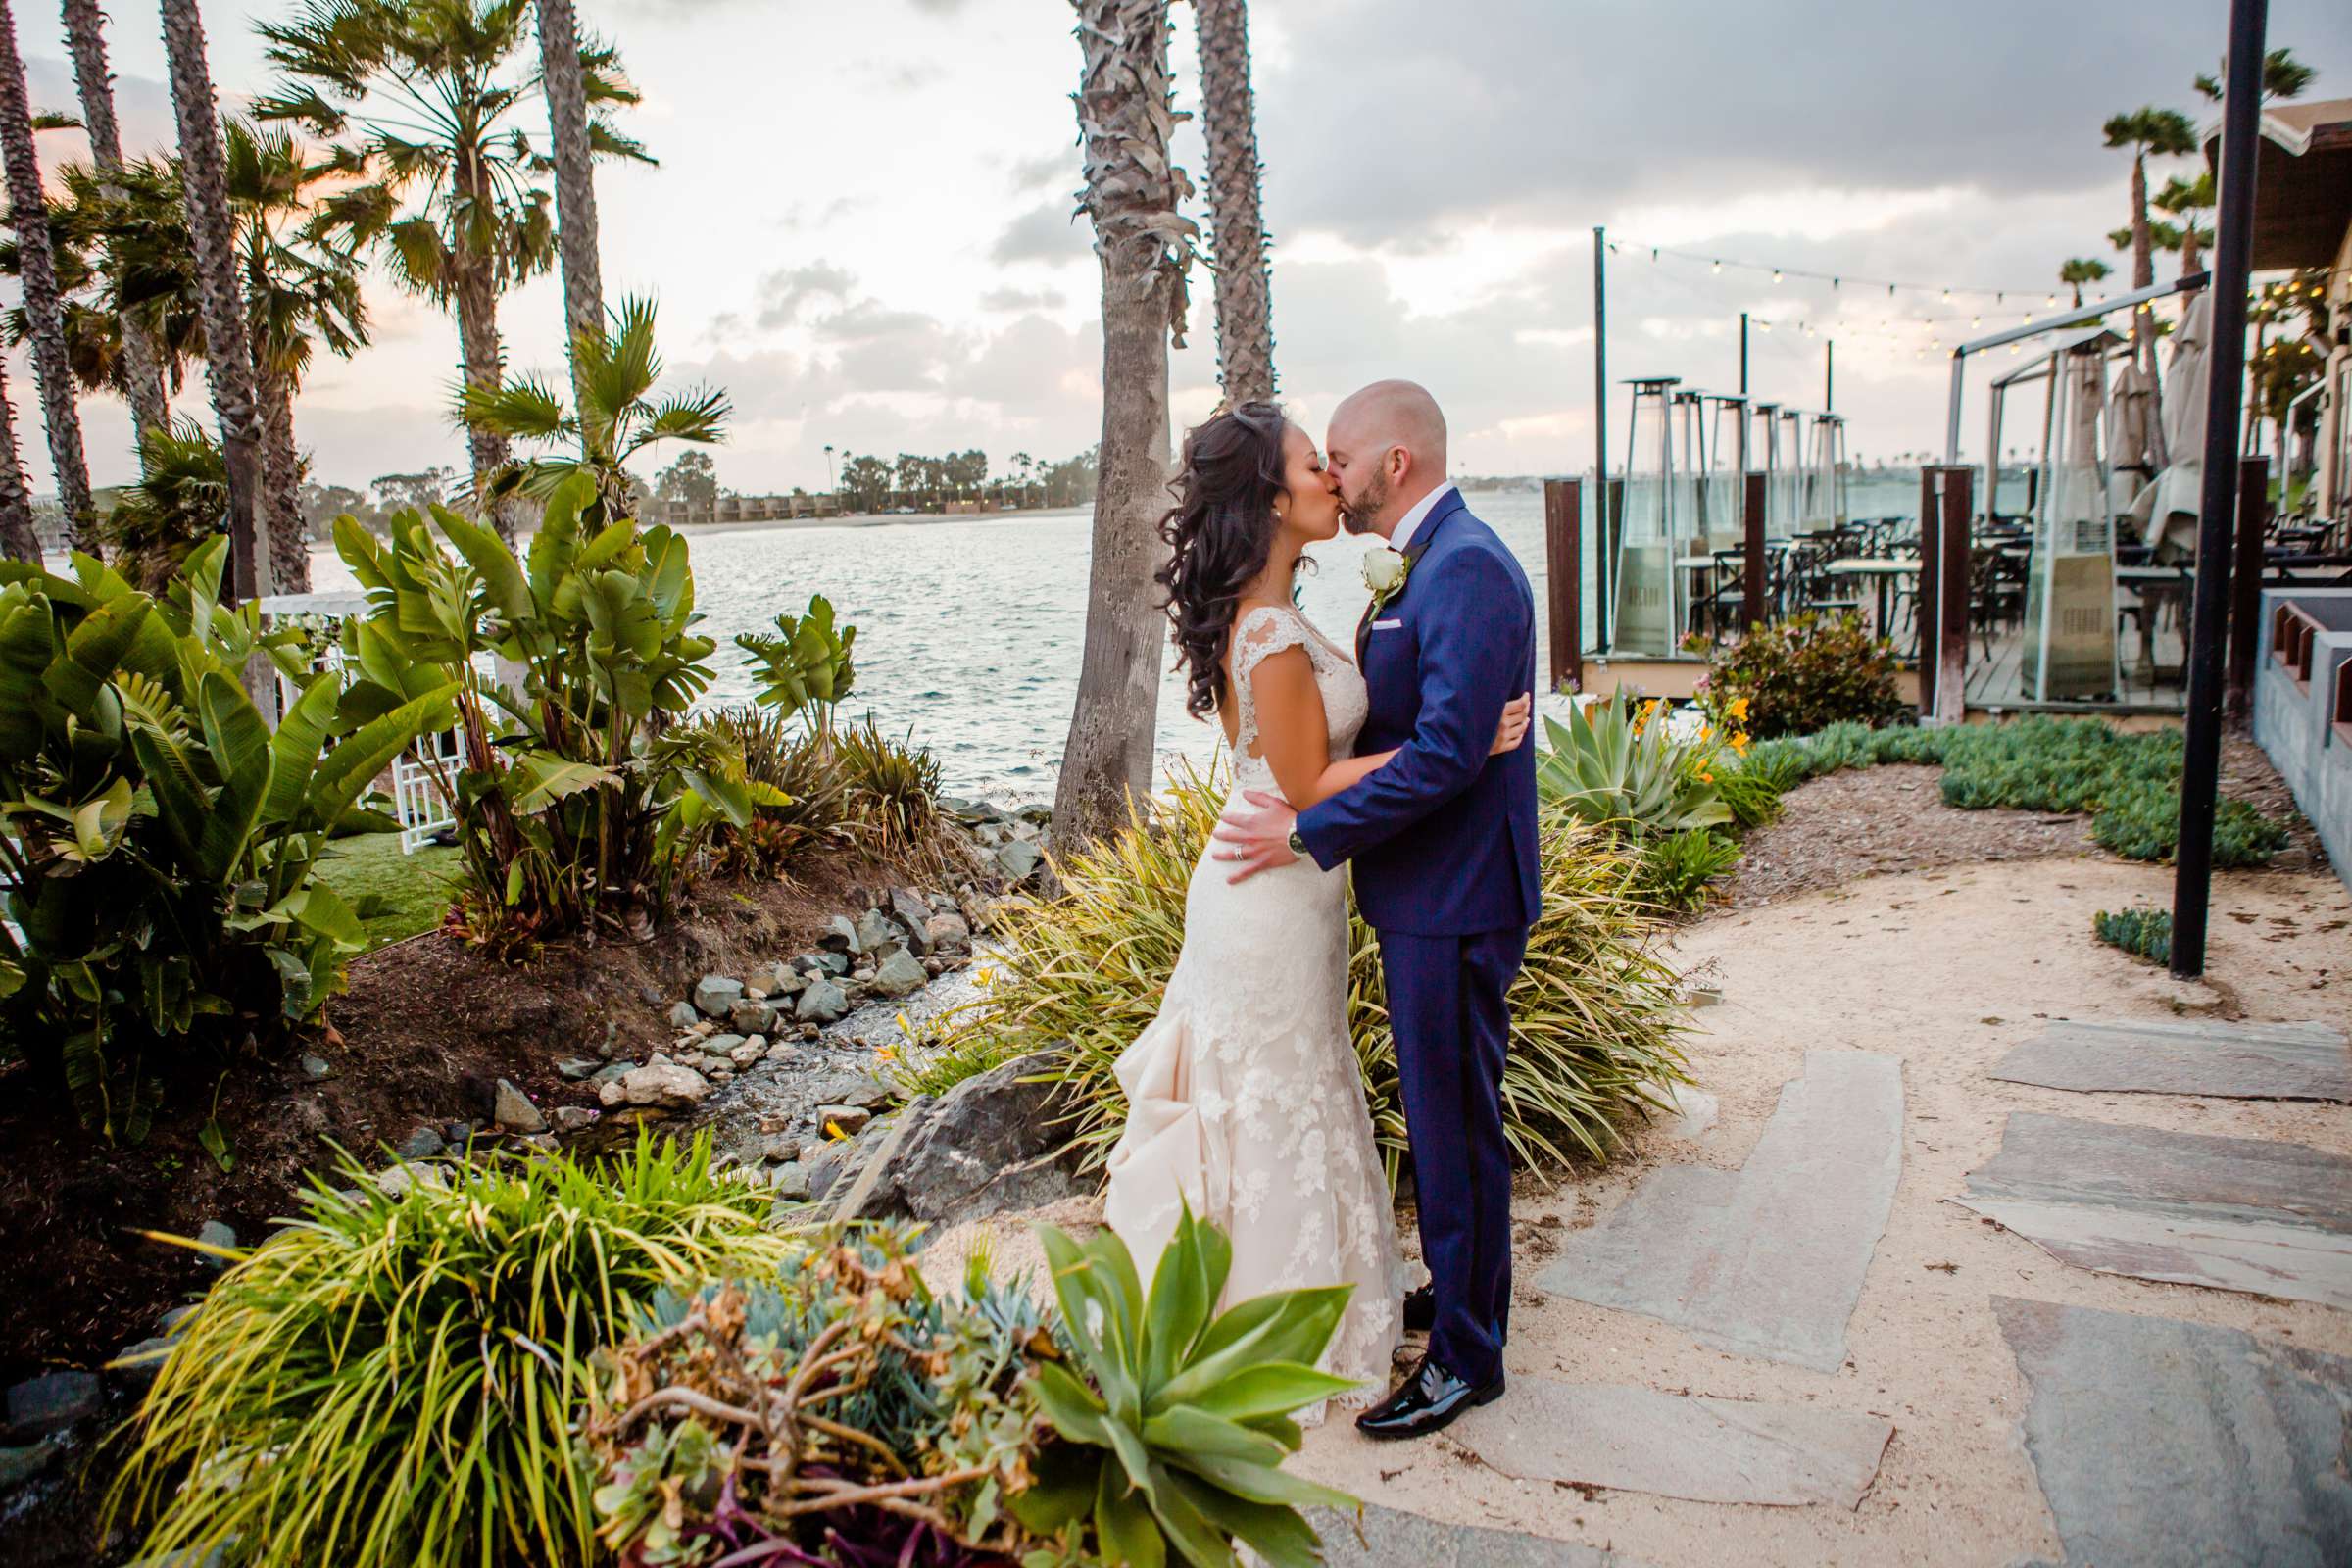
{"x":1244,"y":1096}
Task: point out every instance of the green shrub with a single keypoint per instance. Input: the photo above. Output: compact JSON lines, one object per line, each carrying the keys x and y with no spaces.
{"x":1171,"y":1447}
{"x":892,"y":792}
{"x":391,"y":1381}
{"x":1801,"y":674}
{"x":806,"y":667}
{"x":2141,"y":821}
{"x":1612,"y":765}
{"x":2142,"y":933}
{"x":578,"y":805}
{"x":176,"y":502}
{"x":1782,"y":763}
{"x":744,"y":1412}
{"x":804,"y":796}
{"x":1677,"y":867}
{"x":162,"y":842}
{"x":1596,"y":1014}
{"x":1752,"y":795}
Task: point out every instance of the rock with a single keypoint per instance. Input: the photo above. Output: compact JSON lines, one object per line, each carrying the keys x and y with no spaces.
{"x":169,"y":1324}
{"x":515,"y":1112}
{"x":136,"y":1367}
{"x":610,"y":1071}
{"x":545,"y":1143}
{"x":809,"y":1031}
{"x":840,"y":935}
{"x":876,"y":931}
{"x":749,"y":1052}
{"x":752,"y":1018}
{"x":822,"y":1003}
{"x":20,"y":1465}
{"x":824,"y":1167}
{"x":461,"y":1134}
{"x":720,"y":1045}
{"x":1038,"y":814}
{"x":850,"y":1119}
{"x":572,"y":1119}
{"x":715,"y":993}
{"x":900,"y":974}
{"x":422,"y":1142}
{"x":947,"y":933}
{"x":316,"y":1069}
{"x":658,"y":1083}
{"x":1018,"y":860}
{"x":988,"y":1145}
{"x":791,"y":1182}
{"x":910,"y":910}
{"x":578,"y":1069}
{"x":789,"y":983}
{"x":211,"y":1233}
{"x":682,"y":1015}
{"x":610,"y":1047}
{"x":835,"y":965}
{"x":40,"y":1405}
{"x":780,"y":1052}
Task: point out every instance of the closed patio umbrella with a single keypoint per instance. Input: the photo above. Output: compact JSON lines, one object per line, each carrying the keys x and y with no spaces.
{"x":2132,"y":453}
{"x":2172,"y":515}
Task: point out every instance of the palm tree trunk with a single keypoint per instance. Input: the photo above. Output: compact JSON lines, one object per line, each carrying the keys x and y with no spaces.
{"x":2190,"y":255}
{"x":37,"y":270}
{"x":281,"y":484}
{"x":1229,"y":120}
{"x":2143,"y":260}
{"x":1132,"y":194}
{"x":229,"y":352}
{"x":483,"y":356}
{"x":575,"y":172}
{"x":18,"y":538}
{"x":141,"y":362}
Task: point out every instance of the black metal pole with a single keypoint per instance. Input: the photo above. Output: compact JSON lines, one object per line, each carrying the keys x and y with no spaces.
{"x":1603,"y":534}
{"x":1829,"y":375}
{"x":2232,"y":251}
{"x":1743,"y":358}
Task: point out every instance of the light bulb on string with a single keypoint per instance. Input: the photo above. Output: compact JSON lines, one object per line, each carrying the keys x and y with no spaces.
{"x":2051,"y":299}
{"x":1718,"y":267}
{"x":1775,"y":274}
{"x":1947,"y":296}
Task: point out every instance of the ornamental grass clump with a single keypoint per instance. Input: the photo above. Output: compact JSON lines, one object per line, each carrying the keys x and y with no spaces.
{"x":1595,"y":1015}
{"x":391,"y":1381}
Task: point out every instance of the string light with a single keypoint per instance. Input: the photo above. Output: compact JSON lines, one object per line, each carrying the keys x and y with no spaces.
{"x":1718,"y":267}
{"x":1775,"y":274}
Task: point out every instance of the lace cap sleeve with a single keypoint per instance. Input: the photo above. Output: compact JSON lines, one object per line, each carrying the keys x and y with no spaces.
{"x":1267,"y":629}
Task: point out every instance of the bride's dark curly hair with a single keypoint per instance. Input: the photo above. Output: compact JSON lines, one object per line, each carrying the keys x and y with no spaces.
{"x":1219,"y":534}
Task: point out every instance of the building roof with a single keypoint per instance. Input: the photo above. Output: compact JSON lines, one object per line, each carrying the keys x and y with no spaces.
{"x":2302,"y":182}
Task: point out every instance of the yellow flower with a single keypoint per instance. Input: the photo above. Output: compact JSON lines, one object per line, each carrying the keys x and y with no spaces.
{"x":834,"y":1132}
{"x":1739,"y":743}
{"x":1705,"y":777}
{"x":1738,"y":709}
{"x":887,"y":1054}
{"x":1705,"y":731}
{"x":904,"y":1027}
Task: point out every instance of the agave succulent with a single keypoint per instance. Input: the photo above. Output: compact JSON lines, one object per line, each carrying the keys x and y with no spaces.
{"x":1174,"y":1441}
{"x":1607,"y":770}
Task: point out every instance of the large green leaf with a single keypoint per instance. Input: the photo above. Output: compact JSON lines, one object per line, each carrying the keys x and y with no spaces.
{"x":502,"y":575}
{"x":294,"y":748}
{"x":539,"y":779}
{"x":345,"y":773}
{"x":94,"y":651}
{"x":1130,"y":1537}
{"x":240,"y":742}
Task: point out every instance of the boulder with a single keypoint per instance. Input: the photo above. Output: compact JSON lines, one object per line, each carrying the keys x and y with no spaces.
{"x":719,"y":1045}
{"x":579,"y":1068}
{"x":876,"y":931}
{"x":840,"y":935}
{"x":791,"y":1182}
{"x":660,"y":1082}
{"x":781,"y":1052}
{"x":211,"y":1233}
{"x":1018,"y":860}
{"x":515,"y":1110}
{"x":752,"y":1018}
{"x":990,"y":1144}
{"x":910,"y":909}
{"x":789,"y":983}
{"x":749,"y":1052}
{"x":715,"y":993}
{"x":898,"y":974}
{"x":946,"y":935}
{"x":136,"y":1367}
{"x":22,"y":1464}
{"x":850,"y":1119}
{"x":612,"y":1070}
{"x":822,"y":1003}
{"x":40,"y":1405}
{"x":682,"y":1015}
{"x":572,"y":1119}
{"x":422,"y":1142}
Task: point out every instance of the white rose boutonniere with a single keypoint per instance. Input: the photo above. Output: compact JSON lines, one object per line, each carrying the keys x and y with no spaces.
{"x":1385,"y":573}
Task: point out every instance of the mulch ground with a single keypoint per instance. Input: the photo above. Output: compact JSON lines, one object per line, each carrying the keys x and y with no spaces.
{"x":1874,"y":821}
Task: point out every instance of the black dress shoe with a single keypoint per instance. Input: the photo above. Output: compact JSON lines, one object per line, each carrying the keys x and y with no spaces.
{"x":1420,"y":1310}
{"x":1430,"y":1400}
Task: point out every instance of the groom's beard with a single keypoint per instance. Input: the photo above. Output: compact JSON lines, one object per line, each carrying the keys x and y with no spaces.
{"x":1357,"y":514}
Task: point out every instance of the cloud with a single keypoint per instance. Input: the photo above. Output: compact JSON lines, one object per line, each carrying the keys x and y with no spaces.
{"x":1055,"y":170}
{"x":786,"y":293}
{"x":1044,"y":233}
{"x":1021,"y":299}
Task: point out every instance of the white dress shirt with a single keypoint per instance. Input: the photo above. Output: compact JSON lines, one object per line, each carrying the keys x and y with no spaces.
{"x":1404,"y":536}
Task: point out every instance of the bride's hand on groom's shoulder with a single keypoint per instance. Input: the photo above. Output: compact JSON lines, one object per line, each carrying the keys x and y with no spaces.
{"x":1255,"y":834}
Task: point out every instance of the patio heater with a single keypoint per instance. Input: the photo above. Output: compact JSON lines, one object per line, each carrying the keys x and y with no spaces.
{"x":1828,"y":470}
{"x":1997,"y":400}
{"x":1764,"y":452}
{"x":1796,"y":471}
{"x":2069,"y":647}
{"x":1727,"y":466}
{"x":1696,"y":502}
{"x":1648,"y":596}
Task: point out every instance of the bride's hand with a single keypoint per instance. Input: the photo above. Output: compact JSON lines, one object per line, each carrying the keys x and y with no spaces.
{"x":1516,"y":715}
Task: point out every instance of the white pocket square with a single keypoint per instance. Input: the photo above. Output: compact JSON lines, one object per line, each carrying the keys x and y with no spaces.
{"x":1387,"y":626}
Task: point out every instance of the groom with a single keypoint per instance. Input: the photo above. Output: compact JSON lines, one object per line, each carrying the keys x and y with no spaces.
{"x":1444,"y":843}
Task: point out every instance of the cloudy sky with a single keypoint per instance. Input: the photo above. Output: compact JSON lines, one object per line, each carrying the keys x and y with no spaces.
{"x":861,"y":222}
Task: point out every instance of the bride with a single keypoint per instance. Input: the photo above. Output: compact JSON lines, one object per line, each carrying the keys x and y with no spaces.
{"x":1243,"y":1096}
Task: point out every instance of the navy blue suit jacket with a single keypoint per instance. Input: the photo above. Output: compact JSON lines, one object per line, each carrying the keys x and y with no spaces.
{"x":1444,"y":836}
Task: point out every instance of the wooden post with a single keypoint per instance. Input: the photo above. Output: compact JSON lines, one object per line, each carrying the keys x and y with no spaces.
{"x":1564,"y":570}
{"x":1930,"y":577}
{"x":2245,"y":581}
{"x":1952,"y":607}
{"x":1751,"y":516}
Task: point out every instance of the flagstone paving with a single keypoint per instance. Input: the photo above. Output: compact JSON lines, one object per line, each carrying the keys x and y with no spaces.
{"x":1394,"y":1538}
{"x":1705,"y":1450}
{"x":2234,"y":1213}
{"x":2162,"y":1442}
{"x":2230,"y":1060}
{"x":1767,"y":1260}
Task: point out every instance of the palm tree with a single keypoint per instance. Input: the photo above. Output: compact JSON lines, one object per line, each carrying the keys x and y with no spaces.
{"x":615,"y":416}
{"x":2282,"y":76}
{"x":2083,"y":270}
{"x":1229,"y":120}
{"x":1145,"y":246}
{"x":2167,"y":133}
{"x":143,"y":361}
{"x":575,"y":168}
{"x":18,"y":540}
{"x":2184,"y":199}
{"x":228,"y":359}
{"x":424,"y":95}
{"x":37,"y":265}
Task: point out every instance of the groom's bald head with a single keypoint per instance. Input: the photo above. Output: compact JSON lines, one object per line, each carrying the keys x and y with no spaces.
{"x":1387,"y":450}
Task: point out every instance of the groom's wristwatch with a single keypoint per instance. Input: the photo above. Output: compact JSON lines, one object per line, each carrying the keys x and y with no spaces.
{"x":1298,"y":845}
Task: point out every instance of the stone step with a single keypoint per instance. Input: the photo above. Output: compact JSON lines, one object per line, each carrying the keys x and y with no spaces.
{"x":1390,"y":1537}
{"x":1767,"y":1261}
{"x":2229,"y":1060}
